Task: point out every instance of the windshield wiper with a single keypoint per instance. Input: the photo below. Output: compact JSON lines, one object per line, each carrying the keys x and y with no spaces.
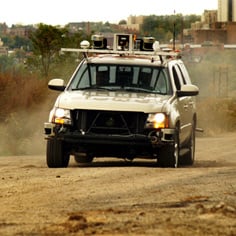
{"x":138,"y":90}
{"x":142,"y":90}
{"x":128,"y":89}
{"x":94,"y":88}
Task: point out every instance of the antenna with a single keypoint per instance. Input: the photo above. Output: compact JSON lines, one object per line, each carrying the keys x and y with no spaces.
{"x":174,"y":34}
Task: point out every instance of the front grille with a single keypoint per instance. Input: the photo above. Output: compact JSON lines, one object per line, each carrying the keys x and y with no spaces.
{"x":109,"y":122}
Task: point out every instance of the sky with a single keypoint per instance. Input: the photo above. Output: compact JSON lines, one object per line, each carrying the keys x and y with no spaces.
{"x":58,"y":12}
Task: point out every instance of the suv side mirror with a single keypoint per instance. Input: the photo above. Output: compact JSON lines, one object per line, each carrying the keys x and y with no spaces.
{"x":188,"y":90}
{"x":57,"y":84}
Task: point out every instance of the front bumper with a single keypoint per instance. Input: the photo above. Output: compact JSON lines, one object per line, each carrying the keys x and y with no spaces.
{"x":154,"y":138}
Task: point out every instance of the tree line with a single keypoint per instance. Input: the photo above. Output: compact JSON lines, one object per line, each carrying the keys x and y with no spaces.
{"x":163,"y":27}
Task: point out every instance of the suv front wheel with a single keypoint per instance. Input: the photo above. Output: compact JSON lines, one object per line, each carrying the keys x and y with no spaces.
{"x":168,"y":155}
{"x":57,"y":157}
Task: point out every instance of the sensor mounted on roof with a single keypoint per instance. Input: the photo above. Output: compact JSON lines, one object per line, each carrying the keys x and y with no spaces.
{"x":123,"y":42}
{"x":148,"y":43}
{"x":99,"y":41}
{"x":85,"y":44}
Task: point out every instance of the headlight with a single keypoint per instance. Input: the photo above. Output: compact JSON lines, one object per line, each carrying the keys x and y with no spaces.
{"x":157,"y":121}
{"x":60,"y":116}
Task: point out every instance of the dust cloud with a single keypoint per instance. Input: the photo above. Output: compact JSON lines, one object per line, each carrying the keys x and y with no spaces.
{"x":215,"y":74}
{"x":22,"y":133}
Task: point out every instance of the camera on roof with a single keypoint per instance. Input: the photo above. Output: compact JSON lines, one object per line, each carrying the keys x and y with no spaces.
{"x":144,"y":43}
{"x":99,"y":42}
{"x":123,"y":42}
{"x":148,"y":43}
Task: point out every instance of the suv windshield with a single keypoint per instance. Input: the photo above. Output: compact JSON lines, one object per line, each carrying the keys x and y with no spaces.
{"x":135,"y":78}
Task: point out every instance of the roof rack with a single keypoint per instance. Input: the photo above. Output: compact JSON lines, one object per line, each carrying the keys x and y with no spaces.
{"x":160,"y":54}
{"x":124,"y":45}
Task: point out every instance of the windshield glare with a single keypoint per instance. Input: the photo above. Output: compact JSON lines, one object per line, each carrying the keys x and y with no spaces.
{"x":118,"y":77}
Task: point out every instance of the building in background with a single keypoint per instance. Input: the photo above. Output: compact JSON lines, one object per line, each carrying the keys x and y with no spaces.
{"x":216,"y":26}
{"x":133,"y":23}
{"x":226,"y":11}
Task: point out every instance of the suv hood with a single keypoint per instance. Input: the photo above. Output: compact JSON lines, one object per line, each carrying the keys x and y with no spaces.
{"x":112,"y":101}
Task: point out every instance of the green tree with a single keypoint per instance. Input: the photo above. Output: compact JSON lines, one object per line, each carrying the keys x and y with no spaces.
{"x":122,"y":22}
{"x":47,"y":41}
{"x":22,"y":43}
{"x":6,"y":63}
{"x":162,"y":27}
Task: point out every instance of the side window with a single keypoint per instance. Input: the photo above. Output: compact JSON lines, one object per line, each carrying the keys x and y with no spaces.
{"x":81,"y":78}
{"x":185,"y":73}
{"x":176,"y":78}
{"x":182,"y":74}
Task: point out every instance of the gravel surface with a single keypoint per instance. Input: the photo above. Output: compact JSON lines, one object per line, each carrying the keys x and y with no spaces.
{"x":114,"y":197}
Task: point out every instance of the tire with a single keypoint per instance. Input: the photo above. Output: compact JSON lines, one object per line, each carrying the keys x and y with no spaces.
{"x":189,"y":157}
{"x":169,"y":154}
{"x":56,"y":155}
{"x":83,"y":159}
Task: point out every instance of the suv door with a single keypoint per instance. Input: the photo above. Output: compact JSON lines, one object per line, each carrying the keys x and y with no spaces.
{"x":184,"y":105}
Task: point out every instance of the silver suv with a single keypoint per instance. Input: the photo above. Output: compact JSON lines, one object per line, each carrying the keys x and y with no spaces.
{"x":123,"y":103}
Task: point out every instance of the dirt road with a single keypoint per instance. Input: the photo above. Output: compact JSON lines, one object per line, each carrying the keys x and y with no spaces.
{"x":112,"y":197}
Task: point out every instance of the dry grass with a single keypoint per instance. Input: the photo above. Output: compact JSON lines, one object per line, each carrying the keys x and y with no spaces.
{"x":217,"y":115}
{"x":22,"y":95}
{"x":19,"y":91}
